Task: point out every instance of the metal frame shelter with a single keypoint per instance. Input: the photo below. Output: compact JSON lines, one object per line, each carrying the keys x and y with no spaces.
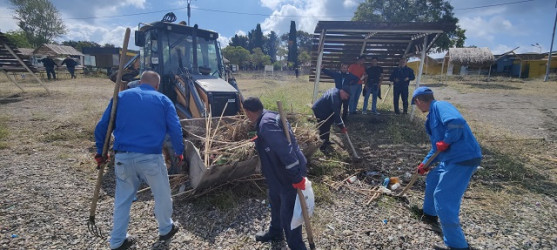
{"x":336,"y":42}
{"x":11,"y":61}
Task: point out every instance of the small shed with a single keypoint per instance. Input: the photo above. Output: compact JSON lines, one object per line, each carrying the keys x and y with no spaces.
{"x":460,"y":61}
{"x":105,"y":58}
{"x":59,"y":52}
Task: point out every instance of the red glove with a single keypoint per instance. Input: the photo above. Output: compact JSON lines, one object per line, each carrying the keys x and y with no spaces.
{"x":344,"y":130}
{"x":253,"y":139}
{"x":100,"y":159}
{"x":300,"y":185}
{"x":422,"y":170}
{"x":180,"y":159}
{"x":442,"y":146}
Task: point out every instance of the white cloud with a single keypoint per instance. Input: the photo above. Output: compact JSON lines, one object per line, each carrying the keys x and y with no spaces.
{"x":7,"y":22}
{"x":305,"y":13}
{"x":271,"y":4}
{"x":350,"y":3}
{"x":486,"y":29}
{"x":99,"y":34}
{"x":241,"y":33}
{"x":224,"y":41}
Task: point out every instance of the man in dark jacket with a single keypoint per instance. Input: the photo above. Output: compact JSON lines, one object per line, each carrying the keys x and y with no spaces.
{"x":327,"y":111}
{"x":284,"y":168}
{"x":401,"y":77}
{"x":459,"y":157}
{"x":70,"y":65}
{"x":49,"y":64}
{"x":342,"y":78}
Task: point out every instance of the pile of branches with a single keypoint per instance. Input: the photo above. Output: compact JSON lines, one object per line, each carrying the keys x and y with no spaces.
{"x":226,"y":140}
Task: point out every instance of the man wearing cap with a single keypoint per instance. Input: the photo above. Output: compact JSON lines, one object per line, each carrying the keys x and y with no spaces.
{"x":460,"y":155}
{"x":358,"y":69}
{"x":401,"y":77}
{"x":342,"y":78}
{"x":284,"y":168}
{"x":327,"y":111}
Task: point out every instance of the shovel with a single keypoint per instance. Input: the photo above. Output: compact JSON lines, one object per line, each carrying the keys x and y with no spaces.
{"x":93,"y":229}
{"x":416,"y":175}
{"x":357,"y":158}
{"x":301,"y":196}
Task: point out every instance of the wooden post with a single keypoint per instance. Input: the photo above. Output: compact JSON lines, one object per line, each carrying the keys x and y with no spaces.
{"x":421,"y":70}
{"x":318,"y":66}
{"x":25,"y":66}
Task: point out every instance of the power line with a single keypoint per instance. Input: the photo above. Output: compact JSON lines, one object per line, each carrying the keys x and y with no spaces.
{"x":494,"y":5}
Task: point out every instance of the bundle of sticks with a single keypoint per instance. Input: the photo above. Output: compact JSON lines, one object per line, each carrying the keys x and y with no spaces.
{"x":226,"y":140}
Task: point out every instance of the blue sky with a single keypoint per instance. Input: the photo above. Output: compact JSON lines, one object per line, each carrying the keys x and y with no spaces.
{"x":500,"y":25}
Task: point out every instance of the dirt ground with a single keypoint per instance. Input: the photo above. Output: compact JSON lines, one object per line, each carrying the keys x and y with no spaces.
{"x":48,"y":175}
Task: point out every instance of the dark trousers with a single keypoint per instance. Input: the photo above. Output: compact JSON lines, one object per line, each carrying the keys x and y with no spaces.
{"x":402,"y":92}
{"x":71,"y":70}
{"x":282,"y":201}
{"x":50,"y":71}
{"x":325,"y":128}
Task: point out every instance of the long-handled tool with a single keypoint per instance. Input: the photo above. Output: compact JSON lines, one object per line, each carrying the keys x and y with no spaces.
{"x":416,"y":175}
{"x":91,"y":222}
{"x":354,"y":153}
{"x":388,"y":89}
{"x":301,"y":196}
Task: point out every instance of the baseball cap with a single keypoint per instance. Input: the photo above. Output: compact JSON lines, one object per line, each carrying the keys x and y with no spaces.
{"x":421,"y":91}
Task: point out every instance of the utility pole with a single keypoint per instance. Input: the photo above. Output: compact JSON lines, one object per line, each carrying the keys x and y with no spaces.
{"x":189,"y":13}
{"x":551,"y":47}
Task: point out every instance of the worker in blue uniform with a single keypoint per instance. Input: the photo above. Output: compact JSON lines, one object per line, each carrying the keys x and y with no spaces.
{"x":342,"y":78}
{"x":327,"y":112}
{"x":459,"y":157}
{"x":401,"y":77}
{"x":284,"y":168}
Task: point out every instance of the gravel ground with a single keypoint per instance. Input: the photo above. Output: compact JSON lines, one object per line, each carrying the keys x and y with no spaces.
{"x":48,"y":177}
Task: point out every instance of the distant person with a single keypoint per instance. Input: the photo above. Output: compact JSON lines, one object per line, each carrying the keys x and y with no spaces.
{"x":70,"y":65}
{"x":373,"y":85}
{"x":342,"y":78}
{"x":327,"y":112}
{"x":358,"y":69}
{"x":284,"y":166}
{"x":460,"y":155}
{"x":297,"y":71}
{"x":49,"y":64}
{"x":401,"y":77}
{"x":144,"y":117}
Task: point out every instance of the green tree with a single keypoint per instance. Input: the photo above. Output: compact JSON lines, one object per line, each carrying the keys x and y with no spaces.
{"x":79,"y":45}
{"x":258,"y":59}
{"x":109,"y":45}
{"x":39,"y":20}
{"x":271,"y":45}
{"x":237,"y":55}
{"x":414,"y":11}
{"x":241,"y":41}
{"x":304,"y":57}
{"x":18,"y":38}
{"x":293,"y":45}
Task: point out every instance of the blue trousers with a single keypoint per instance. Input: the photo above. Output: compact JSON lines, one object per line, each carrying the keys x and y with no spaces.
{"x":373,"y":91}
{"x":49,"y":72}
{"x":282,"y":201}
{"x":130,"y":169}
{"x":445,"y":186}
{"x":355,"y":91}
{"x":402,"y":92}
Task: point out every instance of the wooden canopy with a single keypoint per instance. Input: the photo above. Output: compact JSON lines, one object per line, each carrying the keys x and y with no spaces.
{"x":343,"y":41}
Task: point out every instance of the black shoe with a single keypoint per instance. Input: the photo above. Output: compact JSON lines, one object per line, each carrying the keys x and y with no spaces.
{"x":430,"y":219}
{"x":268,"y":237}
{"x":170,"y":234}
{"x":128,"y":242}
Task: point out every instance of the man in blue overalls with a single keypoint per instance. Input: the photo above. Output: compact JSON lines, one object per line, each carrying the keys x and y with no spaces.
{"x":342,"y":78}
{"x":327,"y":112}
{"x":284,"y":168}
{"x":460,"y":155}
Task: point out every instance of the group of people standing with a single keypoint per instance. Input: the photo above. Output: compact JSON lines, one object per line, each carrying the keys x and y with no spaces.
{"x":49,"y":65}
{"x":358,"y":77}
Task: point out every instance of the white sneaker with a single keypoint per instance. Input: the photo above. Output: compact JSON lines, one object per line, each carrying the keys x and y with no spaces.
{"x":364,"y":112}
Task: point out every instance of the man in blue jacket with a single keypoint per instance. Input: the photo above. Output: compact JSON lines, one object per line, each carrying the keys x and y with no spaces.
{"x":49,"y":64}
{"x":460,"y":155}
{"x":401,"y":77}
{"x":70,"y":65}
{"x":144,"y":117}
{"x":327,"y":112}
{"x":342,"y":78}
{"x":284,"y":168}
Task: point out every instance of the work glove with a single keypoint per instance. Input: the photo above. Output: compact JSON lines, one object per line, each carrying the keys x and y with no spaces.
{"x":253,"y":139}
{"x":101,"y":160}
{"x":442,"y":146}
{"x":421,"y":169}
{"x":344,"y":130}
{"x":300,"y":185}
{"x":179,"y":159}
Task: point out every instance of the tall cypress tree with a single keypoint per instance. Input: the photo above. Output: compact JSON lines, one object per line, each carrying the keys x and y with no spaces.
{"x":293,"y":45}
